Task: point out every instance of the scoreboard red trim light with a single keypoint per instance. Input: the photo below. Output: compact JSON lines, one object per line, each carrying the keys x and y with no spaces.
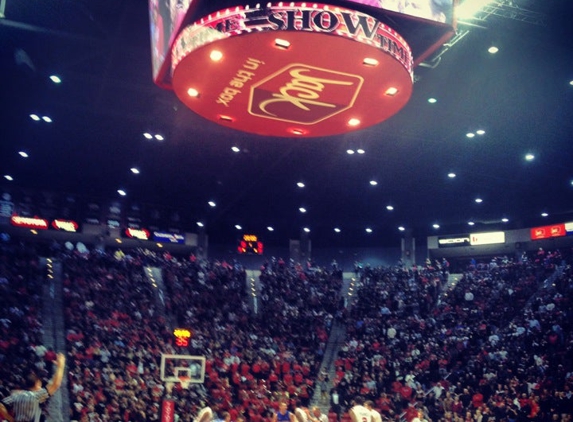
{"x":293,"y":83}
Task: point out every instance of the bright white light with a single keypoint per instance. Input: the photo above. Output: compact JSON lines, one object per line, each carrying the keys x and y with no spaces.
{"x":192,"y":92}
{"x":470,"y":135}
{"x":469,"y":8}
{"x":350,"y":151}
{"x":373,"y":182}
{"x":55,"y":79}
{"x":571,"y":82}
{"x":353,"y":122}
{"x":436,"y":226}
{"x":212,"y":204}
{"x":282,"y":43}
{"x":389,"y":207}
{"x":368,"y":61}
{"x":368,"y":230}
{"x":300,"y":185}
{"x":200,"y":224}
{"x":471,"y":223}
{"x":360,"y":151}
{"x":401,"y":228}
{"x":34,"y":117}
{"x":134,"y":170}
{"x":148,"y":135}
{"x":306,"y":230}
{"x":8,"y":177}
{"x":216,"y":55}
{"x":480,"y":132}
{"x":236,"y":149}
{"x":159,"y":137}
{"x":505,"y":220}
{"x":493,"y":49}
{"x":121,"y":192}
{"x":432,"y":100}
{"x":451,"y":175}
{"x":529,"y":157}
{"x":302,"y":209}
{"x":23,"y":154}
{"x":238,"y":227}
{"x":391,"y":91}
{"x":544,"y":214}
{"x":478,"y":200}
{"x":271,"y":229}
{"x":337,"y":230}
{"x":47,"y":119}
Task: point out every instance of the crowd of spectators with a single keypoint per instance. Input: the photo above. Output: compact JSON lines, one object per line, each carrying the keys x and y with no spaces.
{"x":21,"y":330}
{"x":496,"y":345}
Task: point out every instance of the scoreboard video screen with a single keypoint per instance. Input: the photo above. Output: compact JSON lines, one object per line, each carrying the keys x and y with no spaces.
{"x":250,"y":244}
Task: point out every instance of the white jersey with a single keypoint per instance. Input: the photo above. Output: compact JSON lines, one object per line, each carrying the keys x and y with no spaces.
{"x":360,"y":414}
{"x":376,"y":417}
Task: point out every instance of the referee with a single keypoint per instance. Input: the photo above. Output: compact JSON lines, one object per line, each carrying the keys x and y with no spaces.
{"x":24,"y":405}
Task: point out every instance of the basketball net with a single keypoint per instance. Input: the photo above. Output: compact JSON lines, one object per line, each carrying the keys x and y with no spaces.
{"x":185,"y":381}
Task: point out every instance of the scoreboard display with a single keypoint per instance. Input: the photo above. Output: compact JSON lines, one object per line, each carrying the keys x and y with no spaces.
{"x":250,"y":244}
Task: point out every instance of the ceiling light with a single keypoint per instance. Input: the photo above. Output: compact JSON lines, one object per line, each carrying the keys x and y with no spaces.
{"x":337,"y":230}
{"x":148,"y":135}
{"x":493,"y":49}
{"x":353,"y":122}
{"x":235,"y":149}
{"x":34,"y":117}
{"x":505,"y":220}
{"x":192,"y":92}
{"x":306,"y":230}
{"x":401,"y":228}
{"x":529,"y":157}
{"x":544,"y":214}
{"x":47,"y":119}
{"x":121,"y":192}
{"x":298,"y":132}
{"x":23,"y":154}
{"x":216,"y":55}
{"x":451,"y":175}
{"x":471,"y":223}
{"x":238,"y":227}
{"x":470,"y":135}
{"x":479,"y":200}
{"x":200,"y":224}
{"x":212,"y":204}
{"x":373,"y":182}
{"x":389,"y":207}
{"x":159,"y":137}
{"x":391,"y":91}
{"x":55,"y":79}
{"x":8,"y":177}
{"x":225,"y":118}
{"x":369,"y":61}
{"x":300,"y":184}
{"x":280,"y":43}
{"x":368,"y":230}
{"x":350,"y":151}
{"x":570,"y":82}
{"x":360,"y":151}
{"x":432,"y":100}
{"x":436,"y":226}
{"x":271,"y":229}
{"x":134,"y":170}
{"x":302,"y":209}
{"x":480,"y":132}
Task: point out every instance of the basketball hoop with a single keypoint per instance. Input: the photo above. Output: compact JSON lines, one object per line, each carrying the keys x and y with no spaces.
{"x":185,"y":381}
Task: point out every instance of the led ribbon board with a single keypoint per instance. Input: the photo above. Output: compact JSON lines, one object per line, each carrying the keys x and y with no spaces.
{"x":292,"y":69}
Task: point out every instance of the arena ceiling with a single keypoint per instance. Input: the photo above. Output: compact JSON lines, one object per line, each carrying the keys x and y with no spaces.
{"x":521,"y":98}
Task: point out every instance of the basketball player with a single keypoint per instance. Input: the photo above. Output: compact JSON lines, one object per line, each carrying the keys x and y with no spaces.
{"x":283,"y":415}
{"x":376,"y":417}
{"x":359,"y":413}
